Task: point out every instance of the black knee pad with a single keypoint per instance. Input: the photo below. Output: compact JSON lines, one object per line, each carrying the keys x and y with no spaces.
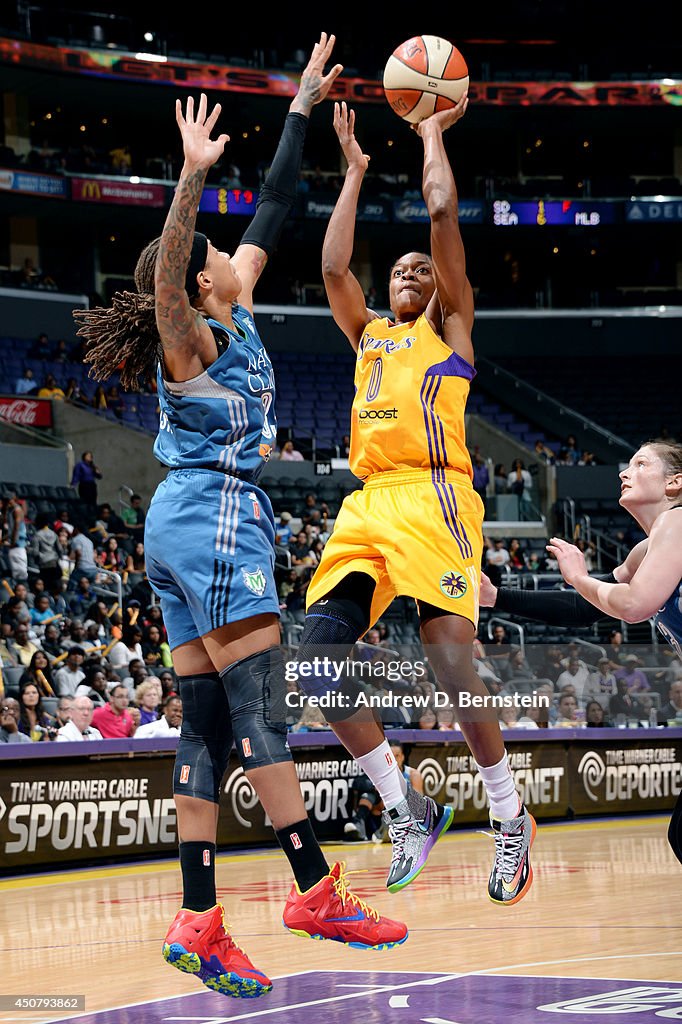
{"x":332,"y":626}
{"x":256,"y":691}
{"x":205,"y":737}
{"x":675,"y":830}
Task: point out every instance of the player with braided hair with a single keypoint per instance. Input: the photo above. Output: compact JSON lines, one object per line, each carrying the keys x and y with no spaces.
{"x":191,"y":324}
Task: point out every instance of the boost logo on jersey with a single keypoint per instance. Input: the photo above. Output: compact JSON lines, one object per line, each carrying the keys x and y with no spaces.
{"x":378,"y":414}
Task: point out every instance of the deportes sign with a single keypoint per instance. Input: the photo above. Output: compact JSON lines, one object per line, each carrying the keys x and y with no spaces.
{"x":617,"y":777}
{"x":27,"y":412}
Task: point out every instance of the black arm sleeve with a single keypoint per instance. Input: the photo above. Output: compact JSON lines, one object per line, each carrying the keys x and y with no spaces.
{"x":279,"y":189}
{"x":555,"y":607}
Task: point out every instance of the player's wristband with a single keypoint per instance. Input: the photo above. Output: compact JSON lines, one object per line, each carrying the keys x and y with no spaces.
{"x":555,"y":607}
{"x":278,"y":193}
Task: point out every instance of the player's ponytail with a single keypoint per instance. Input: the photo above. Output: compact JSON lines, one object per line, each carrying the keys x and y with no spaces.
{"x":124,"y":336}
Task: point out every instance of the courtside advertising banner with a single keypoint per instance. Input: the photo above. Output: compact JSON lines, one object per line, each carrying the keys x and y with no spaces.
{"x":619,"y":777}
{"x":451,"y":777}
{"x":68,"y":809}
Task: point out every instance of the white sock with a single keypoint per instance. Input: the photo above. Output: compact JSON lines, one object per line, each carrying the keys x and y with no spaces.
{"x":380,"y":766}
{"x":499,"y":783}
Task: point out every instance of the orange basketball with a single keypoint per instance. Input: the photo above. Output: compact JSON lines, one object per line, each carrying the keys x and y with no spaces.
{"x":423,"y":75}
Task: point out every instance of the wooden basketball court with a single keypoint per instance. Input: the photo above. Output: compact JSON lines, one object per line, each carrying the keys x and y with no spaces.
{"x":599,"y":935}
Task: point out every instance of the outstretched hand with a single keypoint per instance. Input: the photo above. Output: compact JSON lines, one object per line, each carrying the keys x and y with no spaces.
{"x":199,"y":149}
{"x":570,"y":558}
{"x":488,"y":593}
{"x":444,"y":119}
{"x":314,"y":84}
{"x":344,"y":126}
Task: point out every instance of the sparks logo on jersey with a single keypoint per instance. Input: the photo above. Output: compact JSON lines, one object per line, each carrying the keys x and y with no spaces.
{"x":246,"y":746}
{"x":387,"y":345}
{"x":207,"y":858}
{"x":255,"y":581}
{"x":453,"y":584}
{"x":184,"y":773}
{"x":296,"y":842}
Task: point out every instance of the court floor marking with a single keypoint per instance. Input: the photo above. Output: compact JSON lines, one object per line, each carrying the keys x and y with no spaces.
{"x":395,"y":988}
{"x":572,"y":960}
{"x":80,"y":874}
{"x":276,"y":1009}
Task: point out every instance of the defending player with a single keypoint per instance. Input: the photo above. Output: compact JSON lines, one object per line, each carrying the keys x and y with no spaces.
{"x":209,"y":539}
{"x":416,"y":527}
{"x":648,"y":584}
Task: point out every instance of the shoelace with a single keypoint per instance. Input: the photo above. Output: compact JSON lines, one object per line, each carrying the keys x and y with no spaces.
{"x":344,"y":893}
{"x":226,"y":937}
{"x":399,"y":831}
{"x":507,"y":851}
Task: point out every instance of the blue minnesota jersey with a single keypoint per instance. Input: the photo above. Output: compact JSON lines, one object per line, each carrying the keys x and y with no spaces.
{"x":225,"y":417}
{"x":668,"y":619}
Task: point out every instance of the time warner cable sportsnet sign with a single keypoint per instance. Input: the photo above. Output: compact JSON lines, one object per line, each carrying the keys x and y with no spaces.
{"x":66,"y":809}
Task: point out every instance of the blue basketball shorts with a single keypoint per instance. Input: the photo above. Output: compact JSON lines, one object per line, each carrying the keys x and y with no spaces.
{"x":209,"y":552}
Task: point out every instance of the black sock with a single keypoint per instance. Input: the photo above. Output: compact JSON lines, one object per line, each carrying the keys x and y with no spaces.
{"x":303,"y":850}
{"x":197,"y":862}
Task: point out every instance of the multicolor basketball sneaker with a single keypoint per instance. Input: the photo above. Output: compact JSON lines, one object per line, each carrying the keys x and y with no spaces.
{"x":197,"y":943}
{"x":329,"y":910}
{"x":512,"y":875}
{"x":415,"y":826}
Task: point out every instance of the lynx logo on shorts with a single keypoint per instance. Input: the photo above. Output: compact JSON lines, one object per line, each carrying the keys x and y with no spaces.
{"x":255,"y":581}
{"x":184,"y":773}
{"x":246,"y":746}
{"x":453,"y":584}
{"x":296,"y":842}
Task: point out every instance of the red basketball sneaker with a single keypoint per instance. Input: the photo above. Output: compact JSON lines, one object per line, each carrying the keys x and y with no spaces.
{"x":198,"y":944}
{"x":330,"y":911}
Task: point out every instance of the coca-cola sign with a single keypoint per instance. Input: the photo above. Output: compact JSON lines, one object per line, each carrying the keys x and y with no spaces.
{"x":27,"y":412}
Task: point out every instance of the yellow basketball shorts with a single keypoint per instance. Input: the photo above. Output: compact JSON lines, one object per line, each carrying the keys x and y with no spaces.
{"x":417,"y":533}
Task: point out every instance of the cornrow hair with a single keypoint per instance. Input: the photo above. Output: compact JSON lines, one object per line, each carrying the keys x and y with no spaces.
{"x":124,"y":336}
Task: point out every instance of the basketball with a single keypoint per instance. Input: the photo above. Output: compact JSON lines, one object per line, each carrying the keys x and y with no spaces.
{"x":423,"y":75}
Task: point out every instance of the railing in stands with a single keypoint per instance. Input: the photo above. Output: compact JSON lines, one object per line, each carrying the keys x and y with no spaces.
{"x":508,"y":624}
{"x":606,"y":547}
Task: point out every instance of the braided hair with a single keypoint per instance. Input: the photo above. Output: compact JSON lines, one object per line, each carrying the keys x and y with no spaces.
{"x":124,"y":336}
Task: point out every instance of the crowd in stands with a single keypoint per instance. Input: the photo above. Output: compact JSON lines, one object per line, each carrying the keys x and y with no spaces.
{"x":76,"y":664}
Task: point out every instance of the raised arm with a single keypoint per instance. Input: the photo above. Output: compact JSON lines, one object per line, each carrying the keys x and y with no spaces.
{"x":344,"y":292}
{"x":278,"y":193}
{"x":558,"y":607}
{"x":452,"y":308}
{"x":185,"y":336}
{"x":648,"y":587}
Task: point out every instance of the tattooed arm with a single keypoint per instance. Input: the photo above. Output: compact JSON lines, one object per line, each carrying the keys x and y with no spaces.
{"x":186,"y":338}
{"x":279,"y":189}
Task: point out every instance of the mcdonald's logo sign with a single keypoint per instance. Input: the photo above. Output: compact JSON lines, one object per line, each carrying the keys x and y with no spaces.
{"x":86,"y":189}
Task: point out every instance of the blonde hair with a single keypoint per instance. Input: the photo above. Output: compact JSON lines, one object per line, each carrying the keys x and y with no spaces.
{"x":145,"y":686}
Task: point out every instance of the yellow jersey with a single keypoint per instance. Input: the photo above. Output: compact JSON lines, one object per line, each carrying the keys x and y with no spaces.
{"x":410,"y":394}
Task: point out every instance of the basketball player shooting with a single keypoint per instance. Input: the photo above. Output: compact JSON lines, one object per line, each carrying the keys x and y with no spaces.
{"x":416,"y":527}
